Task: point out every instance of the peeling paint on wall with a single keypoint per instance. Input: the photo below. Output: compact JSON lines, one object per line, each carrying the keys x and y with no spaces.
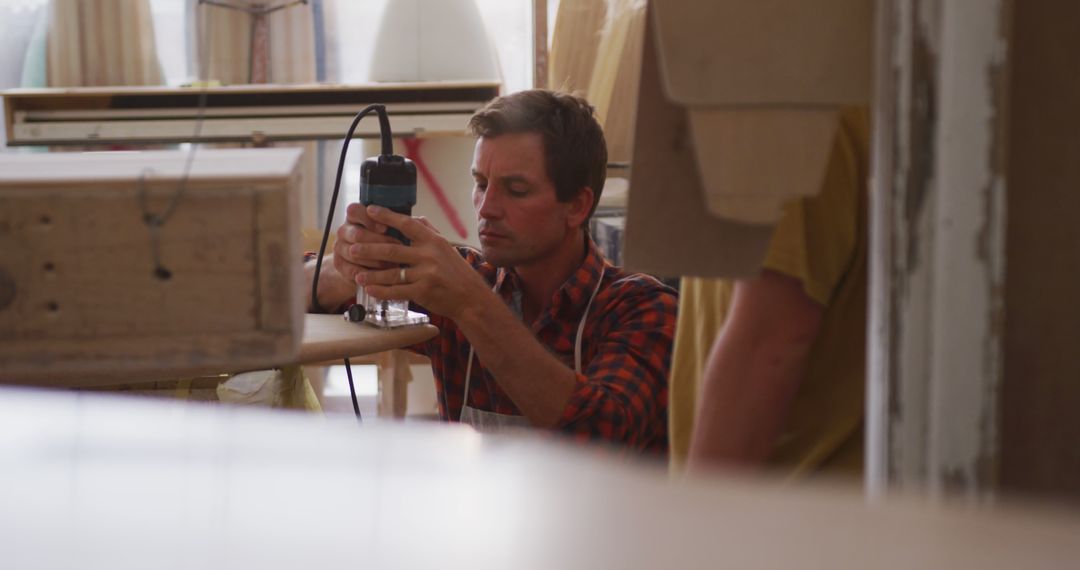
{"x":936,"y":303}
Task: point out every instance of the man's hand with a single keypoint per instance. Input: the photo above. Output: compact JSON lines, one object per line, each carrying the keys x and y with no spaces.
{"x":358,"y":229}
{"x":337,"y":281}
{"x":436,"y":276}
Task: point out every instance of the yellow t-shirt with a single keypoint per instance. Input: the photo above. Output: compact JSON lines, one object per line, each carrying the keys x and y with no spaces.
{"x":822,"y":242}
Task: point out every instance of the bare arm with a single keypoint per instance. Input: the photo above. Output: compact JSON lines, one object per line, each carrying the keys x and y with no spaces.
{"x":754,"y":371}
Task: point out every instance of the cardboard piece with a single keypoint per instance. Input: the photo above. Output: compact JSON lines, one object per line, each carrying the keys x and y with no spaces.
{"x":764,"y":158}
{"x":669,"y":232}
{"x":78,"y":263}
{"x":765,"y":52}
{"x":736,"y":116}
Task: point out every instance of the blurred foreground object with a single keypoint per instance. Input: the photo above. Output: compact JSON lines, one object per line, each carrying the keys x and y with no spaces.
{"x":110,"y":262}
{"x":103,"y":483}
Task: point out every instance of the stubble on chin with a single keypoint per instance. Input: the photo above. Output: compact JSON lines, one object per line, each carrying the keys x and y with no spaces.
{"x":495,"y":257}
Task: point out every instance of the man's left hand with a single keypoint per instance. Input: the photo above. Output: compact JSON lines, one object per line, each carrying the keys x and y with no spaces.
{"x":434,"y":273}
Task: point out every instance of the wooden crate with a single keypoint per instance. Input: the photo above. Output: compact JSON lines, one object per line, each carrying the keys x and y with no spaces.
{"x":80,"y":301}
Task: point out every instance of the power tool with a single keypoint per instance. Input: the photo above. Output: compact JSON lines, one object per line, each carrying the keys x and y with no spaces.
{"x":387,"y":180}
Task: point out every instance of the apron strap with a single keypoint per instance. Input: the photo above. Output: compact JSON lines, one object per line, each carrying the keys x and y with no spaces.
{"x":581,"y":325}
{"x":577,"y":341}
{"x":472,"y":352}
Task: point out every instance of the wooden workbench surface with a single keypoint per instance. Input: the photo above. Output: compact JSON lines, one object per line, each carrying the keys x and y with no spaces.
{"x":331,"y":337}
{"x":326,"y":338}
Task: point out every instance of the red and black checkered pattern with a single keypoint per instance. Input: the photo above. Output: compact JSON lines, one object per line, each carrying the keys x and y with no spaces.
{"x":621,"y":397}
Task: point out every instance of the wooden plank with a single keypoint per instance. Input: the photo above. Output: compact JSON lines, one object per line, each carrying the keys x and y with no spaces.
{"x":327,"y":340}
{"x":540,"y":44}
{"x":239,"y":112}
{"x":86,"y":266}
{"x":616,"y":74}
{"x":9,"y":120}
{"x":28,"y":174}
{"x":91,"y":93}
{"x":79,"y":262}
{"x":574,"y":44}
{"x":394,"y":378}
{"x":331,"y":337}
{"x":264,"y":110}
{"x":104,"y":361}
{"x":276,"y":249}
{"x":668,"y":228}
{"x":159,"y":98}
{"x":228,"y":129}
{"x":766,"y":52}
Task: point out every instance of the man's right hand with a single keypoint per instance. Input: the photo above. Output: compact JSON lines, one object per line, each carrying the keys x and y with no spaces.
{"x":337,"y":282}
{"x":358,"y":229}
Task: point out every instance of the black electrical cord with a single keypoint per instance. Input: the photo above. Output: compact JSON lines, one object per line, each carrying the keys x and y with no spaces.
{"x":387,"y":149}
{"x":154,"y":222}
{"x":352,"y":389}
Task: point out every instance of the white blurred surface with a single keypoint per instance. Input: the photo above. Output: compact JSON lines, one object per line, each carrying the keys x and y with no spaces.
{"x":93,"y":482}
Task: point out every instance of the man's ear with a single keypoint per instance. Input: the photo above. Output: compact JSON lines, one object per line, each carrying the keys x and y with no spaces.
{"x":579,"y":207}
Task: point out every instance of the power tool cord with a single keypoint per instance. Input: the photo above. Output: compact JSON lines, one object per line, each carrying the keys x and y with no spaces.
{"x":387,"y":149}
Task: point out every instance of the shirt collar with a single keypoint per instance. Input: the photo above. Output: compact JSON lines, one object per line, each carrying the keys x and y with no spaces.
{"x":579,"y":287}
{"x":574,"y":293}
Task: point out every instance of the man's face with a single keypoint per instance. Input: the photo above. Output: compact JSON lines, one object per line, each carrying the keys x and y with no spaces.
{"x":521,"y":221}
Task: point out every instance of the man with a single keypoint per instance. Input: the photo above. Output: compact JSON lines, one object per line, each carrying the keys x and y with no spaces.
{"x":783,"y":385}
{"x":536,"y":329}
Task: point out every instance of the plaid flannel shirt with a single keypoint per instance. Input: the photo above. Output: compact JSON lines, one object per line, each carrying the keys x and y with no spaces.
{"x":621,"y":395}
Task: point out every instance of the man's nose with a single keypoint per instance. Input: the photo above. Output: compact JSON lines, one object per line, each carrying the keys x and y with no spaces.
{"x":488,"y":206}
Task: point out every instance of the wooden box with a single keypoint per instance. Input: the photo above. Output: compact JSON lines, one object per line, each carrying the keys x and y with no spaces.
{"x":84,"y":299}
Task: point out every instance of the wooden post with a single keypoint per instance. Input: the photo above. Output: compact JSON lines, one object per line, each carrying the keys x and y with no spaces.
{"x":394,"y":378}
{"x":540,"y":49}
{"x":937,"y":247}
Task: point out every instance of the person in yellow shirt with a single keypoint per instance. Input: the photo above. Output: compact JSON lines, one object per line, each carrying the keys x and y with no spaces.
{"x":769,"y":371}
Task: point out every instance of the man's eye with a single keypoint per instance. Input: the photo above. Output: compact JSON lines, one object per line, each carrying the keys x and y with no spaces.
{"x":518,"y":191}
{"x":481,"y":186}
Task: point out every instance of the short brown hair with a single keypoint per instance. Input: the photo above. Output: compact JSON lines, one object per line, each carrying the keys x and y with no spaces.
{"x":575,"y":153}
